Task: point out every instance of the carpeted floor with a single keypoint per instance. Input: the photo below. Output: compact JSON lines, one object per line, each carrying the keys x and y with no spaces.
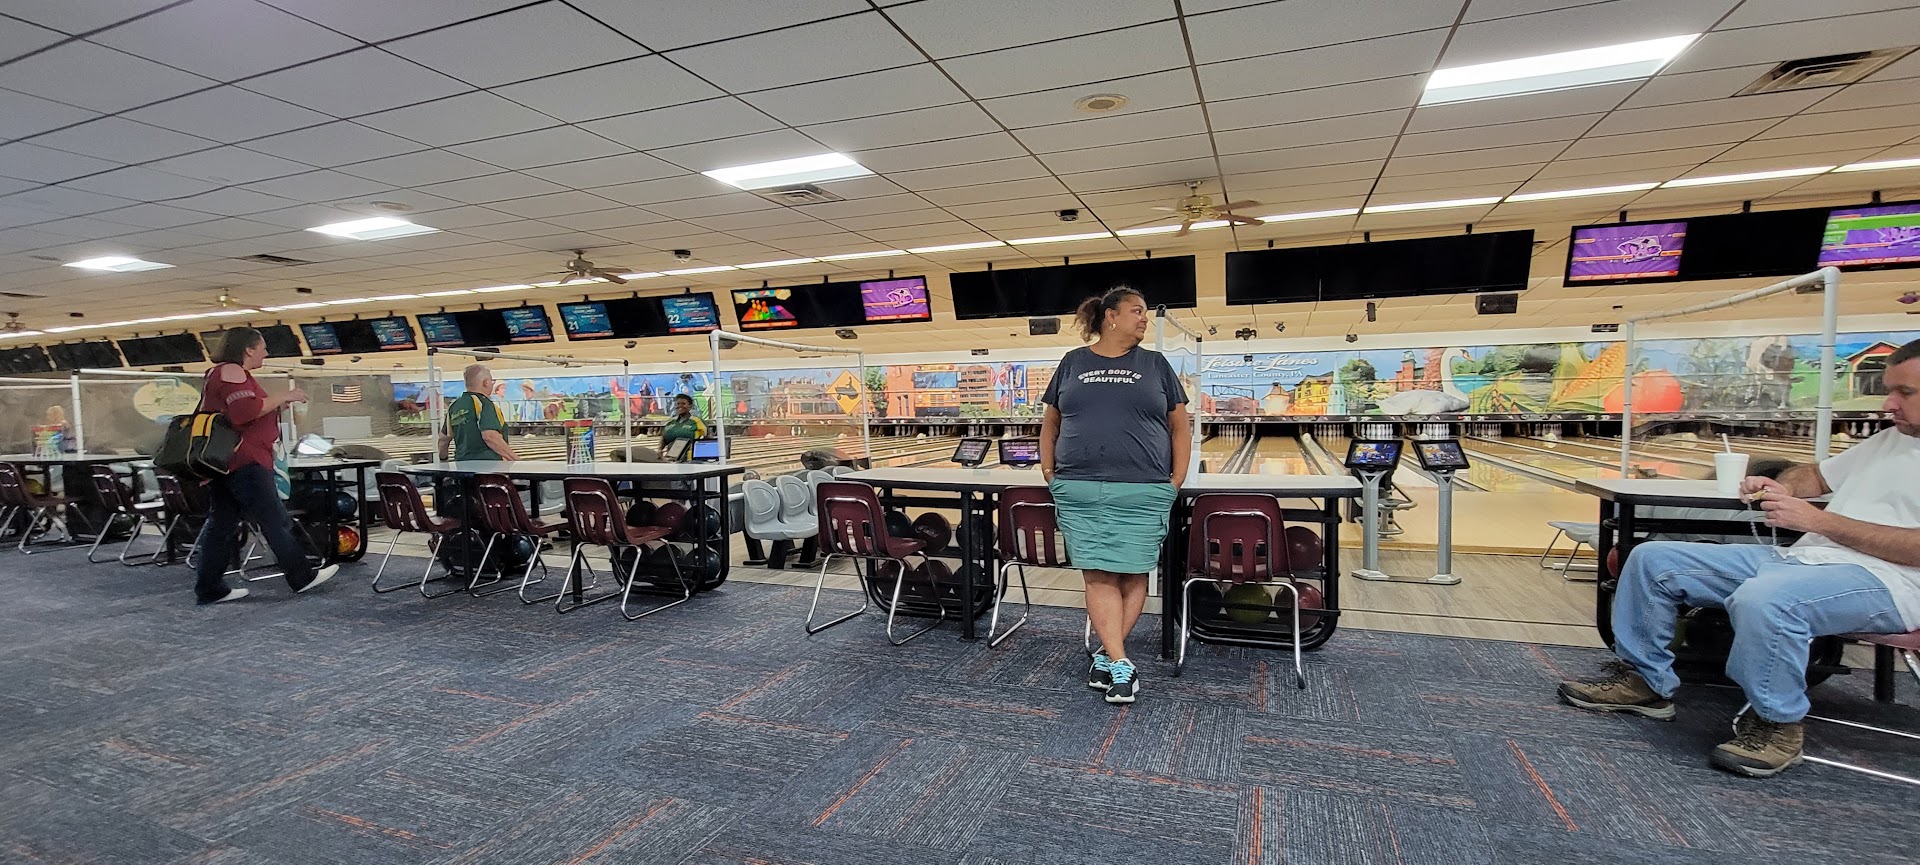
{"x":346,"y":727}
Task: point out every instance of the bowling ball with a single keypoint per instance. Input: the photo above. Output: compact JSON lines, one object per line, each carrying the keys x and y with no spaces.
{"x":1613,"y":563}
{"x":1254,"y":597}
{"x":518,"y":550}
{"x":1709,"y":632}
{"x":980,"y":526}
{"x":1310,"y":599}
{"x":670,"y":516}
{"x":702,"y":523}
{"x":460,"y":550}
{"x":1304,"y":549}
{"x":934,"y":529}
{"x":641,"y":514}
{"x":345,"y":505}
{"x":1208,"y":603}
{"x":899,"y":525}
{"x":703,"y":568}
{"x":346,"y":540}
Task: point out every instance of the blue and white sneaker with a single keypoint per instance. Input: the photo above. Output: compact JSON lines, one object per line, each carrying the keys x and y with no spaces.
{"x":1099,"y":675}
{"x":1125,"y":685}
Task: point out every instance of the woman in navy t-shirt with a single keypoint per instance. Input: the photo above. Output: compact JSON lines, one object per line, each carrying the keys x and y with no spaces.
{"x":1112,"y":459}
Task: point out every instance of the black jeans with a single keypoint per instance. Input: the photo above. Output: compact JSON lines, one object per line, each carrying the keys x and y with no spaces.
{"x":246,"y":493}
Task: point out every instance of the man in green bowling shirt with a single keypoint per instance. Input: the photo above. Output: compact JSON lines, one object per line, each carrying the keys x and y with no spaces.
{"x":683,"y":426}
{"x":475,"y":427}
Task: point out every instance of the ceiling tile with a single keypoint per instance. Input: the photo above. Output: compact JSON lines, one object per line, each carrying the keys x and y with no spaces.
{"x":1703,"y":113}
{"x":1462,"y":160}
{"x":1488,"y":112}
{"x":970,"y":174}
{"x":543,"y":147}
{"x":740,"y":150}
{"x":355,"y":83}
{"x":1628,"y":162}
{"x":1169,"y":89}
{"x":142,"y":184}
{"x":153,"y":216}
{"x":992,"y":192}
{"x":905,"y":127}
{"x":1576,"y":28}
{"x":97,"y":78}
{"x":1481,"y":137}
{"x":76,"y":18}
{"x":753,"y":219}
{"x":1505,"y":178}
{"x":927,"y":216}
{"x":938,"y":154}
{"x":1845,"y":121}
{"x":1666,"y":139}
{"x":228,"y":114}
{"x":378,"y":20}
{"x":1305,"y":69}
{"x":607,"y":171}
{"x":23,"y":161}
{"x":1295,"y":24}
{"x":20,"y":38}
{"x":1119,"y":129}
{"x":233,"y":201}
{"x":1141,"y":175}
{"x":123,"y":140}
{"x":419,"y":169}
{"x":864,"y":95}
{"x":1266,"y":175}
{"x":664,"y":26}
{"x":649,"y":192}
{"x":67,"y":201}
{"x":808,"y":52}
{"x":683,"y":124}
{"x":1346,"y":152}
{"x":776,"y":233}
{"x":1380,"y":124}
{"x":545,"y":39}
{"x":320,"y":185}
{"x":229,"y":165}
{"x":28,"y":116}
{"x":457,"y":119}
{"x":1341,"y":100}
{"x":1128,"y":155}
{"x":867,"y":207}
{"x":597,"y":220}
{"x":337,"y":143}
{"x":1669,"y":88}
{"x":493,"y":187}
{"x":1870,"y":94}
{"x":1779,"y":42}
{"x":554,"y":204}
{"x":624,"y":87}
{"x":225,"y":39}
{"x":1067,"y":62}
{"x":1832,"y":143}
{"x":949,"y":28}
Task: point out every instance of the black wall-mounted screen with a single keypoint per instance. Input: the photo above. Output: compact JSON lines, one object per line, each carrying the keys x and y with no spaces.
{"x":372,"y":335}
{"x":1768,"y":243}
{"x":1059,"y":290}
{"x":634,"y":317}
{"x":833,"y":304}
{"x":281,"y":342}
{"x":1456,"y":264}
{"x":26,"y":358}
{"x":166,"y":350}
{"x":322,"y":338}
{"x":486,"y":327}
{"x":98,"y":354}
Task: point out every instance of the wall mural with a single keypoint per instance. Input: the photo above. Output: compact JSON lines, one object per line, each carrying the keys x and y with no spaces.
{"x":1712,"y":375}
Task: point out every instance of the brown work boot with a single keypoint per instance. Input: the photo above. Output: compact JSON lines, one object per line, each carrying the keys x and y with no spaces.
{"x":1760,"y":748}
{"x":1623,"y":690}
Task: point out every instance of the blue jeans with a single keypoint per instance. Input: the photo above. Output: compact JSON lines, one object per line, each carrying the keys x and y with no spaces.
{"x":247,"y":493}
{"x":1777,"y":606}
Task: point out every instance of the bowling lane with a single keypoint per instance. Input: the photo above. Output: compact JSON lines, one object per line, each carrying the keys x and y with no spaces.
{"x":1566,"y":466}
{"x":1670,"y":463}
{"x":1280,"y":455}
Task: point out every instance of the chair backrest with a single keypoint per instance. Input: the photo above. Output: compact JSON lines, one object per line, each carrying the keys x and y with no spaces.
{"x":13,"y":486}
{"x":1030,"y":529}
{"x":106,"y":485}
{"x":400,"y":503}
{"x":594,"y":512}
{"x":763,"y":508}
{"x":841,"y":471}
{"x":796,"y":498}
{"x":500,"y":506}
{"x":178,"y":498}
{"x":851,"y":520}
{"x":1237,"y":537}
{"x":815,"y":478}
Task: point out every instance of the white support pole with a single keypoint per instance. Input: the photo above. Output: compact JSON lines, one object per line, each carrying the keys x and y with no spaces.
{"x":433,"y":403}
{"x":79,"y":421}
{"x":1199,"y":359}
{"x":626,"y":404}
{"x":719,"y":405}
{"x":1626,"y":405}
{"x":1829,"y":335}
{"x":866,"y":413}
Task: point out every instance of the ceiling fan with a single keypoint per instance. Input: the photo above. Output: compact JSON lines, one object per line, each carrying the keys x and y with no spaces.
{"x":580,"y":268}
{"x":13,"y":323}
{"x":1199,"y":207}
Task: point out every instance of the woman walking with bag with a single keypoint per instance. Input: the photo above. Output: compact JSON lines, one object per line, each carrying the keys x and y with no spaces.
{"x":1113,"y":449}
{"x":247,"y":490}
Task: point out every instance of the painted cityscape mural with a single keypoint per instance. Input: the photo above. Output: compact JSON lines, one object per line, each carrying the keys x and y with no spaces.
{"x":1712,"y":375}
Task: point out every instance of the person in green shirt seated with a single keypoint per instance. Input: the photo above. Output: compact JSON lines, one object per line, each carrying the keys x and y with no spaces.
{"x":683,"y":426}
{"x":475,"y":427}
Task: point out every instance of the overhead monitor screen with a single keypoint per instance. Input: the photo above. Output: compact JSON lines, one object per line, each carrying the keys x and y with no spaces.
{"x":896,"y":300}
{"x":393,"y":333}
{"x":321,"y":338}
{"x":1866,"y":238}
{"x":527,"y":324}
{"x":690,"y":313}
{"x":1627,"y":252}
{"x":441,"y":330}
{"x":764,"y":308}
{"x":587,"y":320}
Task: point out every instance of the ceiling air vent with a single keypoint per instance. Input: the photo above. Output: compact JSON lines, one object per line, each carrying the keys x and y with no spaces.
{"x":799,"y":195}
{"x":1831,"y":70}
{"x":274,"y":259}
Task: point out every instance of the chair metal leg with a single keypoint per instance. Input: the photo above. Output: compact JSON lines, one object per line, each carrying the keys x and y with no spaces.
{"x":434,"y":543}
{"x":1299,"y":670}
{"x":522,"y":586}
{"x":1889,"y":776}
{"x":473,"y":580}
{"x":1544,"y":553}
{"x":893,"y":609}
{"x":634,"y":572}
{"x":383,"y":566}
{"x":52,"y":519}
{"x":105,"y":528}
{"x":1026,"y":607}
{"x":574,"y":566}
{"x":821,"y":583}
{"x":140,"y":522}
{"x":1186,"y":621}
{"x":526,"y":580}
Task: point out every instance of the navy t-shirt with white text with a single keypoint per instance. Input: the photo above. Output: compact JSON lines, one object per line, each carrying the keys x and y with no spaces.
{"x":1113,"y":416}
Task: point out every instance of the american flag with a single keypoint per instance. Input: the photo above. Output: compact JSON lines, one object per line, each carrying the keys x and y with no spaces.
{"x":346,"y":393}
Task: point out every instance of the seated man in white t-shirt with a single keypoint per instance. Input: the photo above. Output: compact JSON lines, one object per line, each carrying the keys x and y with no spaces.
{"x":1857,"y":570}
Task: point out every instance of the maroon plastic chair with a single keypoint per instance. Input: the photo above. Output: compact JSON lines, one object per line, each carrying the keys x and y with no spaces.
{"x":1907,"y":647}
{"x":1238,"y":539}
{"x":185,"y":509}
{"x":1029,"y":535}
{"x":121,"y":505}
{"x":594,"y":512}
{"x":403,"y":511}
{"x":505,"y":515}
{"x":853,"y":525}
{"x":17,"y":499}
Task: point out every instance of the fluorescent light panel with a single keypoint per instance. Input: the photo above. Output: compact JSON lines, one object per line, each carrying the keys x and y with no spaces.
{"x":956,"y":247}
{"x":693,"y":270}
{"x":1431,"y":205}
{"x":849,"y":256}
{"x":1311,"y":214}
{"x":787,"y":172}
{"x":1062,"y":238}
{"x":1882,"y":165}
{"x":1746,"y":178}
{"x":116,"y":264}
{"x":787,"y":262}
{"x":1578,"y":193}
{"x":373,"y":228}
{"x":1583,"y":68}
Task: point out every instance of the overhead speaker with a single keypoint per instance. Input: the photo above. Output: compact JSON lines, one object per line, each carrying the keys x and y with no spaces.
{"x":1496,"y":304}
{"x":1043,"y":326}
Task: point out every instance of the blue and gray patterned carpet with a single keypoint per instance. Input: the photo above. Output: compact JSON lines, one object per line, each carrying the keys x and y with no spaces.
{"x":349,"y":728}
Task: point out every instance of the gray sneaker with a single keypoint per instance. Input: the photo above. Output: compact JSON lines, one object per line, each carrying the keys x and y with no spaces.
{"x":1622,"y":690}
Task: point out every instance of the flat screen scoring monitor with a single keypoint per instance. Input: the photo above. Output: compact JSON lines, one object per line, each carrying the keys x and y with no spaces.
{"x":1372,"y":455}
{"x":26,"y":358}
{"x":97,"y":354}
{"x":635,"y":317}
{"x":1625,"y":252}
{"x":1761,"y":243}
{"x":368,"y":336}
{"x":281,"y":341}
{"x":177,"y":348}
{"x":1455,"y":264}
{"x":1872,"y":238}
{"x":322,"y":339}
{"x":833,"y":304}
{"x":972,"y":451}
{"x":1059,"y":290}
{"x":1440,"y":456}
{"x":486,"y":327}
{"x":1020,"y":452}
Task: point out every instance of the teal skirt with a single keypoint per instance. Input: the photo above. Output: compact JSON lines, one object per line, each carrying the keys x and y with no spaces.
{"x":1113,"y":527}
